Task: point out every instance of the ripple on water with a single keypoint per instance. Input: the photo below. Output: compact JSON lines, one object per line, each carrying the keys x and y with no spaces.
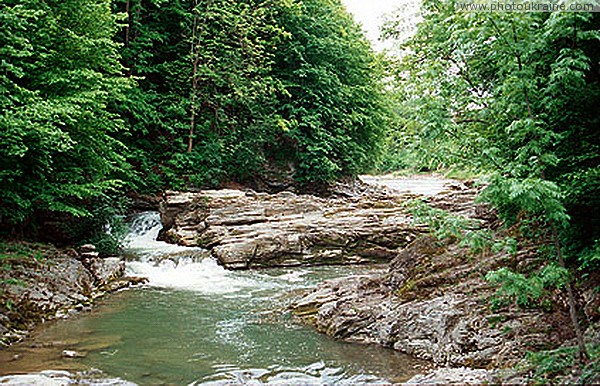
{"x":196,"y":323}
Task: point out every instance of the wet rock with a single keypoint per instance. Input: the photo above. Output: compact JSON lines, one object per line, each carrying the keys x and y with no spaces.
{"x":85,"y":248}
{"x":432,"y":304}
{"x":143,"y":202}
{"x":49,"y":378}
{"x":124,"y":282}
{"x":63,"y":378}
{"x":106,"y":270}
{"x":54,"y":284}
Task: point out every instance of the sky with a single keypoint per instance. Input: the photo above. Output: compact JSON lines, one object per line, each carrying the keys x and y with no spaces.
{"x":369,"y":13}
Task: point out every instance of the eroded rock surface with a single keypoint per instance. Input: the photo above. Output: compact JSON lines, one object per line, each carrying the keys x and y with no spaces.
{"x":248,"y":229}
{"x":53,"y":282}
{"x":433,"y":303}
{"x":62,"y":378}
{"x":453,"y":376}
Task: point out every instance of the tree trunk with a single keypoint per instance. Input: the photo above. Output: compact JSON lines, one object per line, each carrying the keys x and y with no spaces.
{"x":583,"y":354}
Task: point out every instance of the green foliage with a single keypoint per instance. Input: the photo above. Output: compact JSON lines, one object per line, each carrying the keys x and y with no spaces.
{"x":526,"y":291}
{"x":511,"y":96}
{"x":59,"y":74}
{"x":547,"y":365}
{"x":149,"y":95}
{"x":332,"y":96}
{"x":105,"y":227}
{"x":12,"y":281}
{"x":468,"y":232}
{"x":446,"y":226}
{"x":590,"y":257}
{"x":253,"y":83}
{"x":526,"y":198}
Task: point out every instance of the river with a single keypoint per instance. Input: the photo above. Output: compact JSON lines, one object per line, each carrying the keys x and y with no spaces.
{"x":196,"y":323}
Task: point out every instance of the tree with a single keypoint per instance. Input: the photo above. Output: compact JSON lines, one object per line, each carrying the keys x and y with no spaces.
{"x":59,"y":76}
{"x":511,"y":95}
{"x":202,"y":112}
{"x":333,"y":109}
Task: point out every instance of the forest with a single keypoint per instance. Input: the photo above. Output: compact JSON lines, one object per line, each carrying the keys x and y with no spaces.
{"x":103,"y":100}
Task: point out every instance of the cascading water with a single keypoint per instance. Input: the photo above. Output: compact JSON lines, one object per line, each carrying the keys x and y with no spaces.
{"x":196,"y":323}
{"x":172,"y":266}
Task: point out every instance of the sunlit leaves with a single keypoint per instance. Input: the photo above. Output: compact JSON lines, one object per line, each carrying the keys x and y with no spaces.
{"x":60,"y":74}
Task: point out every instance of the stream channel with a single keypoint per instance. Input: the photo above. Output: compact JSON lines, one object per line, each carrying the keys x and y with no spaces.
{"x":196,"y":323}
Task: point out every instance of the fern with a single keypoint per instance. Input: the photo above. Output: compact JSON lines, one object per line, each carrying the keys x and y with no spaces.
{"x":526,"y":291}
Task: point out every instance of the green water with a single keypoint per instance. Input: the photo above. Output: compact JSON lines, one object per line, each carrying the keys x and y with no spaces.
{"x":170,"y":336}
{"x":197,"y":323}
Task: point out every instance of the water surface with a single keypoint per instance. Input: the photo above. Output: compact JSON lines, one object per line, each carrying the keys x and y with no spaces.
{"x":196,"y":323}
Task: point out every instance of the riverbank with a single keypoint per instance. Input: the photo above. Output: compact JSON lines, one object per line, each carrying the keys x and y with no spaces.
{"x":194,"y":321}
{"x":41,"y":282}
{"x":434,"y":302}
{"x":431,"y":302}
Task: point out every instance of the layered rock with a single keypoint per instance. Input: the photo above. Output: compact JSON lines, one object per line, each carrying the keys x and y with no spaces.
{"x":249,"y":230}
{"x":433,"y":303}
{"x":454,"y":376}
{"x":53,"y":282}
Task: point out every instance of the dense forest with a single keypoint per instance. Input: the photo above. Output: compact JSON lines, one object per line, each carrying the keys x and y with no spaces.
{"x":512,"y":97}
{"x":103,"y":98}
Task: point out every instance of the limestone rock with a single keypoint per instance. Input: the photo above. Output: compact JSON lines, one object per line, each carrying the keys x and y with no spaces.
{"x":63,"y":378}
{"x":87,"y":248}
{"x":54,"y":286}
{"x":249,"y":229}
{"x":107,"y":270}
{"x":433,"y":301}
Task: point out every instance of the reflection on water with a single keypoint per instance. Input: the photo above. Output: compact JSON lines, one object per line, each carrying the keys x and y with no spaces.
{"x":196,"y":323}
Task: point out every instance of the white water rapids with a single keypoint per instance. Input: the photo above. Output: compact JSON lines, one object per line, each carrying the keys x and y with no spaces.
{"x":196,"y":323}
{"x":172,"y":266}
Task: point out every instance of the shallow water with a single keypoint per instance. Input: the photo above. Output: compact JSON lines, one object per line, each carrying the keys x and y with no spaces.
{"x":424,"y":185}
{"x":197,"y":323}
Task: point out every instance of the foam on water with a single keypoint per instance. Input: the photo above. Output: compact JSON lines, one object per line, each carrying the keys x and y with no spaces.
{"x":173,"y":266}
{"x":205,"y":276}
{"x":143,"y":234}
{"x":196,"y":323}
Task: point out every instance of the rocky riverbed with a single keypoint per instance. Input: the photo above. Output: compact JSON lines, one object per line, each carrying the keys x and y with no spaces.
{"x":246,"y":229}
{"x":41,"y":282}
{"x":432,"y":303}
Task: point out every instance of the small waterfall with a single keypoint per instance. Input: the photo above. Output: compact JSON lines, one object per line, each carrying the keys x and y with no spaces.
{"x":142,"y":236}
{"x":173,"y":266}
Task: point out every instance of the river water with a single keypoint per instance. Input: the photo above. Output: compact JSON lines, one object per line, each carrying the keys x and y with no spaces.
{"x":196,"y":323}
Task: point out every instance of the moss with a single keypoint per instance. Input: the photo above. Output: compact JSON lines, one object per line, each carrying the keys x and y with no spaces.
{"x":548,"y":365}
{"x":406,"y":288}
{"x":204,"y":241}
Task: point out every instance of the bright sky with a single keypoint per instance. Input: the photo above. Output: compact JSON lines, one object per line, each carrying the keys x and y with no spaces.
{"x":370,"y":14}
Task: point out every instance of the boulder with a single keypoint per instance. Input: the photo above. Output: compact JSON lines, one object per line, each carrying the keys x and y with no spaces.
{"x":106,"y":270}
